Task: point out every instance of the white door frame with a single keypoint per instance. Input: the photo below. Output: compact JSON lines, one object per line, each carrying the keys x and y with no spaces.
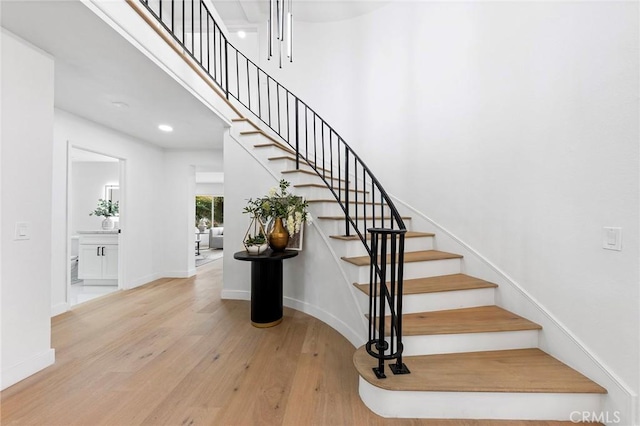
{"x":122,"y":221}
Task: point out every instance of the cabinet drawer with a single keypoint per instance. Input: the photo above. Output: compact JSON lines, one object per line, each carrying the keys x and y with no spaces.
{"x":104,"y":239}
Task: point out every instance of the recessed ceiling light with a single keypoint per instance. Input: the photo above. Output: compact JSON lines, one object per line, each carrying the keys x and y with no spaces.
{"x":241,"y":34}
{"x":165,"y":128}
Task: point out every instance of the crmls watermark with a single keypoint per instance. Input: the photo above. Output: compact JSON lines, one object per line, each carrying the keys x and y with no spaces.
{"x":605,"y":417}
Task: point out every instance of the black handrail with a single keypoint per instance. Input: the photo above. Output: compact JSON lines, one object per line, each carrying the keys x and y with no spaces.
{"x":361,"y":196}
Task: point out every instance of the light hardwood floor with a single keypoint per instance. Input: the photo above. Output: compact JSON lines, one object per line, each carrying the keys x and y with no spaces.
{"x":173,"y":353}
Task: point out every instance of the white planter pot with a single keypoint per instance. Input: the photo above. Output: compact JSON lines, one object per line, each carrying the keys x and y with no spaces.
{"x":107,"y":224}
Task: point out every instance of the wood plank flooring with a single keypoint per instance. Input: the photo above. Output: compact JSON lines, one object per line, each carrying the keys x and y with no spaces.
{"x":518,"y":370}
{"x":173,"y":353}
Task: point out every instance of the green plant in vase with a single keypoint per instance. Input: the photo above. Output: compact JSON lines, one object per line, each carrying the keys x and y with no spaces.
{"x":106,"y":209}
{"x":286,"y":211}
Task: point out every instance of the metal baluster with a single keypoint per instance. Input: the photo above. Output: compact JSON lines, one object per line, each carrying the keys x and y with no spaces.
{"x":297,"y":135}
{"x":346,"y":192}
{"x":382,"y":344}
{"x":193,"y":37}
{"x":339,"y":170}
{"x":278,"y":105}
{"x":248,"y":83}
{"x":259,"y":95}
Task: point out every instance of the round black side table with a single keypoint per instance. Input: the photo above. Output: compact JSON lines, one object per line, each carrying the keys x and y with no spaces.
{"x":266,"y":285}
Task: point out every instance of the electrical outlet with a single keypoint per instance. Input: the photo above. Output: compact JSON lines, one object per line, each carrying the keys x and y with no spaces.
{"x":23,"y":231}
{"x":612,"y":238}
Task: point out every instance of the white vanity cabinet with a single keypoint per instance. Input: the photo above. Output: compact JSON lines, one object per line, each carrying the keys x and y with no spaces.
{"x":98,"y":258}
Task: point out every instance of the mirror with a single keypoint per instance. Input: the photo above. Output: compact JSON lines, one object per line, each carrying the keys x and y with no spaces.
{"x":112,"y":193}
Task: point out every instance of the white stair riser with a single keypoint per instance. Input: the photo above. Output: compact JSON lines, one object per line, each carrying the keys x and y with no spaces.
{"x":477,"y":405}
{"x":316,"y":193}
{"x":285,"y":164}
{"x":354,"y":248}
{"x":297,"y":178}
{"x":263,"y":152}
{"x":332,"y":208}
{"x":441,"y":301}
{"x":432,"y":268}
{"x":241,"y":126}
{"x":470,"y":342}
{"x":337,"y":226}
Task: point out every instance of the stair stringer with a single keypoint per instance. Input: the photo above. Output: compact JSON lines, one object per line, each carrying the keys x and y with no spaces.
{"x":326,"y":294}
{"x":555,"y":338}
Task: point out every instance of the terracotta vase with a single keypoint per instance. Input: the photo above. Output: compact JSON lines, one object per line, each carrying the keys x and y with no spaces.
{"x":279,"y":236}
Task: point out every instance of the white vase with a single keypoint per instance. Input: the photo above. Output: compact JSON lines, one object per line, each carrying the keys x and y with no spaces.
{"x":107,"y":224}
{"x":257,"y":249}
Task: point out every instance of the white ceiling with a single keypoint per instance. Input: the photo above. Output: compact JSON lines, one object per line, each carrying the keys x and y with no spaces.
{"x":95,"y":67}
{"x":241,"y":12}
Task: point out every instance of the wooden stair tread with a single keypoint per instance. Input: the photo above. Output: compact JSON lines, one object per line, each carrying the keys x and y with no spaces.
{"x":317,"y":185}
{"x":377,"y":218}
{"x":409,"y":234}
{"x":518,"y":370}
{"x":270,"y":144}
{"x":482,"y":319}
{"x":438,"y":284}
{"x":410,"y":256}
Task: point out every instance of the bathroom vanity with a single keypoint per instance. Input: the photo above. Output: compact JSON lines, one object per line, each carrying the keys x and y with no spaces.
{"x":98,"y":257}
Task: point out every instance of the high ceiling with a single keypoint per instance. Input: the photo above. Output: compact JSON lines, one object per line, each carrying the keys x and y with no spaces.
{"x":100,"y":76}
{"x":243,"y":12}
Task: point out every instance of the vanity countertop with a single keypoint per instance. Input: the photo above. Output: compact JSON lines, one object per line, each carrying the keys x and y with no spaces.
{"x":99,"y":231}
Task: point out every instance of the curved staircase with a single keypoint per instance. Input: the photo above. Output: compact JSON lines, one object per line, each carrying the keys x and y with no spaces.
{"x":469,"y":359}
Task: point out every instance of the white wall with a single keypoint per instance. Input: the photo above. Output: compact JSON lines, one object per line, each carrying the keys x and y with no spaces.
{"x":141,"y":192}
{"x":209,"y":188}
{"x":515,"y":125}
{"x":88,"y":179}
{"x":178,"y":220}
{"x":312,"y":282}
{"x":27,"y":123}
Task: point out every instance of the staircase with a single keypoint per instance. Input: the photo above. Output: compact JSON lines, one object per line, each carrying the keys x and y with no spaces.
{"x":469,"y":359}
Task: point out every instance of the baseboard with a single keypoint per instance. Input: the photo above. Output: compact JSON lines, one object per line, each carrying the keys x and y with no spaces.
{"x":26,"y":368}
{"x":333,"y":322}
{"x":235,"y":294}
{"x":179,"y":274}
{"x":340,"y":326}
{"x":60,"y":308}
{"x":559,"y":341}
{"x":144,"y":280}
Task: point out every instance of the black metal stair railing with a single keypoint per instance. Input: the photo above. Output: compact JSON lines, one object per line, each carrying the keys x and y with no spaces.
{"x":366,"y":205}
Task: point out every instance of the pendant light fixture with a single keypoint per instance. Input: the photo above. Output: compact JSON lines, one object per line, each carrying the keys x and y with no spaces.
{"x":281,"y":29}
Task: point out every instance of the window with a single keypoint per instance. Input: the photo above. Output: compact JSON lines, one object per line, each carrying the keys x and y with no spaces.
{"x":210,"y":210}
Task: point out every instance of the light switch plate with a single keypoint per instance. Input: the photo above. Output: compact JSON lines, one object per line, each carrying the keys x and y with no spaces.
{"x":612,"y":238}
{"x":23,"y":231}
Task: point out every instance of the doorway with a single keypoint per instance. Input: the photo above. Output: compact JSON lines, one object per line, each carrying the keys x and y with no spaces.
{"x":94,"y":188}
{"x":209,"y":228}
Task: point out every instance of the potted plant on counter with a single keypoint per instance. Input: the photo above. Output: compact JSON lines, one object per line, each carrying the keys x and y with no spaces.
{"x":106,"y":209}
